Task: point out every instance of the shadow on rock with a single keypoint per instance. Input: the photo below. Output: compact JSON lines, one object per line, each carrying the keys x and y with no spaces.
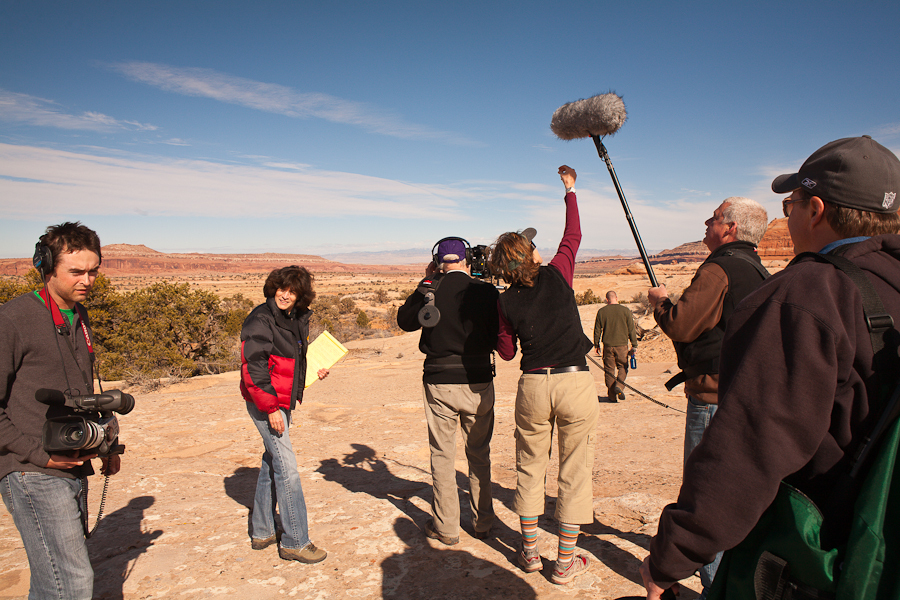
{"x":620,"y":561}
{"x":362,"y":471}
{"x":116,"y":545}
{"x":421,"y":571}
{"x":241,"y":485}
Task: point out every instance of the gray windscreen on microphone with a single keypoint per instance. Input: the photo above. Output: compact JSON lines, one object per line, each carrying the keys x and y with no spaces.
{"x":598,"y":115}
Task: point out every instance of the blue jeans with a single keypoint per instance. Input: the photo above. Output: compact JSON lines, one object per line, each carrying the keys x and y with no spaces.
{"x":699,"y":414}
{"x":278,"y":470}
{"x":47,"y":512}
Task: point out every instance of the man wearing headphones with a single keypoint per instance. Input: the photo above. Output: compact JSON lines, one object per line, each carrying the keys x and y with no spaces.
{"x":44,"y":492}
{"x":458,"y":316}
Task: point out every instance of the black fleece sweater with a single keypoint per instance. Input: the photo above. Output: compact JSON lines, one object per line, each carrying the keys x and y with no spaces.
{"x":467,"y":329}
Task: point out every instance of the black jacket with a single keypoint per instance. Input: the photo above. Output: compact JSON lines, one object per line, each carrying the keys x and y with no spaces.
{"x":458,"y":349}
{"x":273,"y":357}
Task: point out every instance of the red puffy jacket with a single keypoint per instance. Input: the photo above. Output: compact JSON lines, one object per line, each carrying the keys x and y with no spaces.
{"x":273,"y":357}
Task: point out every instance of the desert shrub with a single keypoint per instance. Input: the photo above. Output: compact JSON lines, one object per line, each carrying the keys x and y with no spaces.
{"x":642,"y":299}
{"x":391,"y":318}
{"x":236,"y":309}
{"x":381,"y":296}
{"x":362,"y":320}
{"x":587,"y":297}
{"x":346,"y":305}
{"x":167,"y":330}
{"x":16,"y":286}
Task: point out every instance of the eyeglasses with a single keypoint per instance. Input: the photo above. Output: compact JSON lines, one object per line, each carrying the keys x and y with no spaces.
{"x":786,"y":203}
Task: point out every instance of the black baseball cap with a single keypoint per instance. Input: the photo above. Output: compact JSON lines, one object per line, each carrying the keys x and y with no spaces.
{"x":854,"y":172}
{"x":529,"y":234}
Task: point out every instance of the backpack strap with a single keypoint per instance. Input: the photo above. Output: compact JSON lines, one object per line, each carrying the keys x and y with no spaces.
{"x":880,"y":325}
{"x":877,"y":319}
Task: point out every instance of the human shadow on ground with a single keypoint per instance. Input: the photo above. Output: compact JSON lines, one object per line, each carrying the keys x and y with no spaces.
{"x":421,"y":571}
{"x":618,"y":560}
{"x":241,"y":485}
{"x":363,"y":471}
{"x":116,"y":545}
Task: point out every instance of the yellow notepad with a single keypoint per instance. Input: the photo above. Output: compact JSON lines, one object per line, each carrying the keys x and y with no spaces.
{"x":323,"y":353}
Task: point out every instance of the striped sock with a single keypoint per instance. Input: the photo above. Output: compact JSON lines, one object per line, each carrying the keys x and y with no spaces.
{"x":529,"y":532}
{"x":568,"y":536}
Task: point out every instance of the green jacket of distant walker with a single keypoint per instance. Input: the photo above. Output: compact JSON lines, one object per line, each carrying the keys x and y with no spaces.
{"x":614,"y":327}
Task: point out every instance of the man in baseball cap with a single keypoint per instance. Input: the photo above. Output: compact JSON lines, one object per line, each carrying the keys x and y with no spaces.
{"x":797,"y":379}
{"x":457,"y":340}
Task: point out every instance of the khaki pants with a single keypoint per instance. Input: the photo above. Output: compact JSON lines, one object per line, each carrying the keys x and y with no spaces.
{"x":472,"y":406}
{"x":615,"y":366}
{"x":568,"y":400}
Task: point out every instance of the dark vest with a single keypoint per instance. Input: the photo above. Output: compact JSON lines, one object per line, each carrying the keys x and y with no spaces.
{"x":745,"y":273}
{"x":545,"y":318}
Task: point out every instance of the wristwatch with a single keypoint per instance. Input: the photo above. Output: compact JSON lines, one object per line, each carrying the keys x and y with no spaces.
{"x":570,"y":190}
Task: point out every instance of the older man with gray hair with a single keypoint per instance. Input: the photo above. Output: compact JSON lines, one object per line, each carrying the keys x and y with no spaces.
{"x":696,"y":323}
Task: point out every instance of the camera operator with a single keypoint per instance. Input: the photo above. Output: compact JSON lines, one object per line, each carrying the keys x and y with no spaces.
{"x":43,"y":492}
{"x":459,"y":384}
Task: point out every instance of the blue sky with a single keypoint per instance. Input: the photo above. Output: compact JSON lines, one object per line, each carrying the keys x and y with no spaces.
{"x":223,"y":126}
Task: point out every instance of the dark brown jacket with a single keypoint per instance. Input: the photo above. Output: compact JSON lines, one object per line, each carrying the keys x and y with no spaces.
{"x":795,"y":388}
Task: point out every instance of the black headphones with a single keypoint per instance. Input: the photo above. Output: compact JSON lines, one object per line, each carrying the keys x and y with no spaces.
{"x":434,"y":256}
{"x":43,"y":258}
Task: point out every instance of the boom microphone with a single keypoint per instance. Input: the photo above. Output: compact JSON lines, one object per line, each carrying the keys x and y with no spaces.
{"x":599,"y":115}
{"x":596,"y":117}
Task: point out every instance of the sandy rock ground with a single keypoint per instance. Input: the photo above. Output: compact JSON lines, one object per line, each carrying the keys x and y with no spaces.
{"x":176,"y":516}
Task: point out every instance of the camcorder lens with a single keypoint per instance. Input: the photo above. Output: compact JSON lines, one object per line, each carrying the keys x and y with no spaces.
{"x":64,"y":434}
{"x":72,"y":435}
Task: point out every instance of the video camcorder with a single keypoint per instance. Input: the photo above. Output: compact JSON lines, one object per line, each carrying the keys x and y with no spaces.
{"x":96,"y":431}
{"x":478,"y":263}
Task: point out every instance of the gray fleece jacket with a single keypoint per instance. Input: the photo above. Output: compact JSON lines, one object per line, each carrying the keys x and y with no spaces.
{"x":33,"y":356}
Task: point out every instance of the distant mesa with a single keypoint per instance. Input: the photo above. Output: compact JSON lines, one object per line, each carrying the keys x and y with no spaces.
{"x":775,"y":245}
{"x":137,"y":259}
{"x":128,"y":250}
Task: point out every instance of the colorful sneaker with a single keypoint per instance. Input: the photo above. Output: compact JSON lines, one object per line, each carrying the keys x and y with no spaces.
{"x":578,"y":565}
{"x":434,"y":535}
{"x":530,"y":560}
{"x":308,"y":554}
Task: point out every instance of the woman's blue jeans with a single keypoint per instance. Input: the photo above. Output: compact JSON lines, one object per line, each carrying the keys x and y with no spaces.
{"x":278,"y":484}
{"x":47,"y":512}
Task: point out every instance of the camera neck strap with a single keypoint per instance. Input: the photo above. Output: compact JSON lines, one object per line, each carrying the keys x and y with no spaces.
{"x":62,"y":328}
{"x":60,"y":322}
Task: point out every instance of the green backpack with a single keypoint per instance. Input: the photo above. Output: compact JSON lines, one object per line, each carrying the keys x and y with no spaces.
{"x":783,"y":557}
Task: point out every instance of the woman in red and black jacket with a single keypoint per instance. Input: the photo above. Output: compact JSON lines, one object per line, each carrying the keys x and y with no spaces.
{"x":274,"y":340}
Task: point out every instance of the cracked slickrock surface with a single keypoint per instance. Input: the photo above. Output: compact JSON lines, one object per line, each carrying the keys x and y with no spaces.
{"x":176,"y":516}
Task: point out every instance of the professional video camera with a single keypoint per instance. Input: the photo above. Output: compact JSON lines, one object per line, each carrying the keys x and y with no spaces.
{"x":96,"y":431}
{"x":478,"y":264}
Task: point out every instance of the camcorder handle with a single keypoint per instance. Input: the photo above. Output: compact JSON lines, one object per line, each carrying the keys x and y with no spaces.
{"x":429,"y":315}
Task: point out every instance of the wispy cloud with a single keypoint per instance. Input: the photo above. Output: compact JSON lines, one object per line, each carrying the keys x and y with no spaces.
{"x":279,"y":99}
{"x":31,"y":110}
{"x":889,"y":129}
{"x":56,"y":180}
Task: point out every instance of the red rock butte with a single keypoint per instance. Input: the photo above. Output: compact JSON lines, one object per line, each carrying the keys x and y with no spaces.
{"x":130,"y":259}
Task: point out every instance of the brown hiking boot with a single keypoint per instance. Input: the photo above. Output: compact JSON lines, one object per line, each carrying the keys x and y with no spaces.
{"x":308,"y":554}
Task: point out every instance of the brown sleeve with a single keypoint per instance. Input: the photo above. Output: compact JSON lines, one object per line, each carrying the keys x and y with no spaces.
{"x":698,"y":310}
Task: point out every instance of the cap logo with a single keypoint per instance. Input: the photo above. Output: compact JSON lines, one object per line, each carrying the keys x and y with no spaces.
{"x":809,"y":183}
{"x":889,"y":198}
